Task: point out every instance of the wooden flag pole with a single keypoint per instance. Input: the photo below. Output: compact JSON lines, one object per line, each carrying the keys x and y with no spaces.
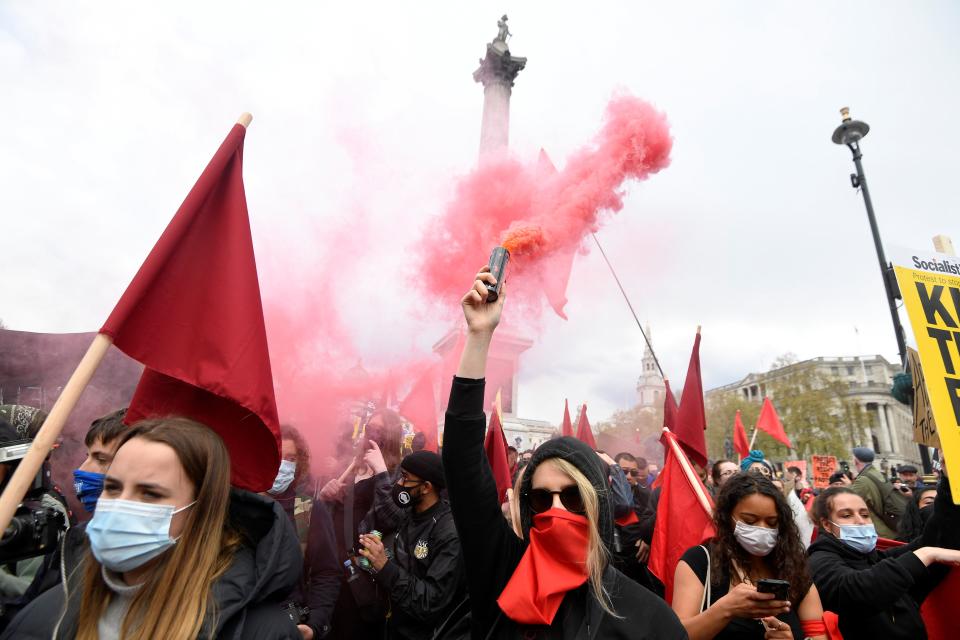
{"x":245,"y":119}
{"x":753,"y":438}
{"x":50,"y":430}
{"x":691,"y":476}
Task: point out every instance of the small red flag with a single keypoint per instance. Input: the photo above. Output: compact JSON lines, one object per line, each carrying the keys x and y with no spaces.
{"x":420,"y":409}
{"x":769,"y":422}
{"x":691,"y":416}
{"x":566,"y":429}
{"x":192,"y":315}
{"x":495,"y":444}
{"x":740,"y":442}
{"x":584,"y":432}
{"x":683,"y":520}
{"x":669,"y":407}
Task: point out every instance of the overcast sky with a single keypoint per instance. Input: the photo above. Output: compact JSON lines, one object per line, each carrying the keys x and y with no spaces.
{"x":366,"y":113}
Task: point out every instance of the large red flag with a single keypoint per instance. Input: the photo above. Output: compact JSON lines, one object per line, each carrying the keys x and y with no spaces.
{"x":566,"y":429}
{"x":740,"y":442}
{"x":769,"y":422}
{"x":420,"y":408}
{"x":495,"y":444}
{"x":584,"y":432}
{"x":691,"y":416}
{"x":684,"y":514}
{"x":192,"y":315}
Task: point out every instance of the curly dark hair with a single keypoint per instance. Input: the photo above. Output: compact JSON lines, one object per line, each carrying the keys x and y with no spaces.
{"x":289,"y":432}
{"x":787,"y":559}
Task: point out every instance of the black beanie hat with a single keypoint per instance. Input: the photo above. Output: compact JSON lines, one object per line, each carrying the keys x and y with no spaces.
{"x":588,"y":463}
{"x":426,"y":465}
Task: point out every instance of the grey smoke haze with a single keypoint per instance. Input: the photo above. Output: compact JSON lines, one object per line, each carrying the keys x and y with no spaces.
{"x":364,"y":115}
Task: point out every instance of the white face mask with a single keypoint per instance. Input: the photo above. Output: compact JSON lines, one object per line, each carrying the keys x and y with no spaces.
{"x":288,"y":469}
{"x":757,"y":541}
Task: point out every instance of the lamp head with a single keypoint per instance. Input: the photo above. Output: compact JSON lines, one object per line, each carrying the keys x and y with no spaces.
{"x":850,"y":130}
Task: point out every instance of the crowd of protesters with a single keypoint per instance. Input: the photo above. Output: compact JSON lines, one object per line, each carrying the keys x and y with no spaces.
{"x":404,"y":543}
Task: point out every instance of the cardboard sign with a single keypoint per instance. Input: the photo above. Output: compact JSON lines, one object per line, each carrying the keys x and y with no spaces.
{"x":801,"y":464}
{"x":823,"y":468}
{"x":924,"y":425}
{"x":930,"y":286}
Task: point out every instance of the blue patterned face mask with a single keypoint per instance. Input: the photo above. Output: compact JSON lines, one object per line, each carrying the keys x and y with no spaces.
{"x":859,"y":537}
{"x":288,"y":469}
{"x":125,"y":534}
{"x":88,"y":485}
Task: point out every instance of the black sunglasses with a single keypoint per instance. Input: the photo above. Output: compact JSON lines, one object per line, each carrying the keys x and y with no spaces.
{"x":633,"y":472}
{"x":542,"y":499}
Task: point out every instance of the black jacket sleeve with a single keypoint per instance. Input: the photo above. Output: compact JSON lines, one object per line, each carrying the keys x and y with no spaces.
{"x":426,"y":599}
{"x":620,"y":492}
{"x":323,"y":570}
{"x":844,"y":588}
{"x":491,"y":550}
{"x":384,"y":516}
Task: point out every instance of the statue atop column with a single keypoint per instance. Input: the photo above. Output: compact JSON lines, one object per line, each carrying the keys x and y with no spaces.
{"x":503,"y":31}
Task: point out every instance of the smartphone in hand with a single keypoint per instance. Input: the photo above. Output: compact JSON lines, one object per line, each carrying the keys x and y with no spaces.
{"x":779,"y":588}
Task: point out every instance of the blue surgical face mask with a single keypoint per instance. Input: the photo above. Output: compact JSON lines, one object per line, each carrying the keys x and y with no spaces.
{"x":125,"y":534}
{"x":859,"y":537}
{"x":288,"y":469}
{"x":88,"y":485}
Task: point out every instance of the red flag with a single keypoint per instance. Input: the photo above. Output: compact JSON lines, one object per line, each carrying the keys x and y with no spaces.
{"x":584,"y":432}
{"x":420,"y":409}
{"x":669,"y":407}
{"x":684,"y":514}
{"x":555,"y":267}
{"x":495,"y":444}
{"x":691,"y":416}
{"x":740,"y":442}
{"x":192,"y":315}
{"x":566,"y":429}
{"x":769,"y":422}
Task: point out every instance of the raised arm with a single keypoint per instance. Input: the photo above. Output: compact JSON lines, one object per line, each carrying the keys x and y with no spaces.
{"x":490,"y":548}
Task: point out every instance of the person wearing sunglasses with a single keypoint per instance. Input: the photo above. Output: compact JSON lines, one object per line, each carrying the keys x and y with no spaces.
{"x":549,"y":575}
{"x":756,"y":463}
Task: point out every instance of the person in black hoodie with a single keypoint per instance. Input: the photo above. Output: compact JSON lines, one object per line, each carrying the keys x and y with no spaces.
{"x":174,"y":552}
{"x":424,"y":572}
{"x":877,"y":594}
{"x":554,"y":579}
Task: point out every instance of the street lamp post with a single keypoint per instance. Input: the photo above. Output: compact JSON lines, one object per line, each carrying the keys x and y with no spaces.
{"x":850,"y":132}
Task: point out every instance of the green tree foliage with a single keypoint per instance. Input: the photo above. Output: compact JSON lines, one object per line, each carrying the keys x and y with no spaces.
{"x":816,"y":413}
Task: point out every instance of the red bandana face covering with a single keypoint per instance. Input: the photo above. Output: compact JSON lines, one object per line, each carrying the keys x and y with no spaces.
{"x":555,"y":562}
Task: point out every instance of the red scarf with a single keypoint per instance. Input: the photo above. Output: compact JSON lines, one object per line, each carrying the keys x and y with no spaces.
{"x":555,"y":562}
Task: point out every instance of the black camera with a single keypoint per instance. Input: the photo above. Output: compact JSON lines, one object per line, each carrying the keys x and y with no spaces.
{"x":35,"y":528}
{"x":298,"y":614}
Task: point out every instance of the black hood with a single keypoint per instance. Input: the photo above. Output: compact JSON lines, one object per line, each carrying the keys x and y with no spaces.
{"x":586,"y":460}
{"x":268,"y":566}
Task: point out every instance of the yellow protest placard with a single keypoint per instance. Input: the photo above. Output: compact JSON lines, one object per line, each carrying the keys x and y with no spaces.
{"x":930,"y":285}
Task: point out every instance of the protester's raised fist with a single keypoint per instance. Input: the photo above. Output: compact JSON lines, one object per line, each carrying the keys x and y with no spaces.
{"x":482,"y":316}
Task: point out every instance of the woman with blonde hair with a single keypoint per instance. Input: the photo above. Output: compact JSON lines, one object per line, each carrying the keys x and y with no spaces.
{"x":174,"y":552}
{"x":554,"y":579}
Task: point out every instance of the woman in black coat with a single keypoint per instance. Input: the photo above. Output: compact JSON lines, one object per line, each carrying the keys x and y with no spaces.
{"x":877,"y":594}
{"x":556,"y":581}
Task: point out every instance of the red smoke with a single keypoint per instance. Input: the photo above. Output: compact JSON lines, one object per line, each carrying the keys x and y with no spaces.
{"x":536,"y":214}
{"x":540,"y":215}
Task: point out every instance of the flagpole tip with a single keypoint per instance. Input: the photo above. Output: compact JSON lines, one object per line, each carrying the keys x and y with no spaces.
{"x":245,"y":119}
{"x":698,"y":329}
